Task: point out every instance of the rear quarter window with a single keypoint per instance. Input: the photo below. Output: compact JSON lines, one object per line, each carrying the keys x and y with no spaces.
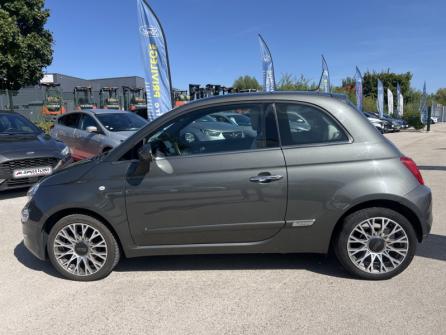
{"x":302,"y":124}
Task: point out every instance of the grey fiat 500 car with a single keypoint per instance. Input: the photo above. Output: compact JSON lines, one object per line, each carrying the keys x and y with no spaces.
{"x":339,"y":184}
{"x":93,"y":131}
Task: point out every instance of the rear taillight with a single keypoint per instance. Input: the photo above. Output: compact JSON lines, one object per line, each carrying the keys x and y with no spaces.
{"x":413,"y":168}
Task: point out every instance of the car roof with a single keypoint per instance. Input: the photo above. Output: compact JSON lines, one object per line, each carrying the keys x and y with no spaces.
{"x":6,"y":112}
{"x":98,"y":111}
{"x":263,"y":95}
{"x":105,"y":111}
{"x":226,"y":113}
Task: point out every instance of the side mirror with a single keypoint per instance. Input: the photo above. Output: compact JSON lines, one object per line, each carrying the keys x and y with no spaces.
{"x":145,"y":153}
{"x":92,"y":129}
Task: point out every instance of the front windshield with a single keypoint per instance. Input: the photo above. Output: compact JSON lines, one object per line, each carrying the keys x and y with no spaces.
{"x":205,"y":118}
{"x":121,"y":121}
{"x":11,"y":124}
{"x":241,"y":120}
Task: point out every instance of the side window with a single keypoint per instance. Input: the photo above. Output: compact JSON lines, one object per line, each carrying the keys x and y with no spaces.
{"x":302,"y":124}
{"x":201,"y":133}
{"x":70,"y":120}
{"x":87,"y":121}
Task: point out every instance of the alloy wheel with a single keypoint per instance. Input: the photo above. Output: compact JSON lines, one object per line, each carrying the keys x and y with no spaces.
{"x":80,"y":249}
{"x":378,"y":245}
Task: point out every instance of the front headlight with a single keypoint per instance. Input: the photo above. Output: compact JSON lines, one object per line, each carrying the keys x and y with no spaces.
{"x":32,"y":191}
{"x":65,"y":151}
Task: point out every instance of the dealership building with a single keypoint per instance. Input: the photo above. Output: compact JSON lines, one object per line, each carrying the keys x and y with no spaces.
{"x":28,"y":100}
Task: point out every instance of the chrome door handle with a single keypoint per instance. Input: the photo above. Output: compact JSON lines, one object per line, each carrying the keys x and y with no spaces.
{"x":263,"y":179}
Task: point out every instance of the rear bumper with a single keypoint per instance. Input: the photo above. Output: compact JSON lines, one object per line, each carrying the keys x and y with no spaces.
{"x":421,"y":203}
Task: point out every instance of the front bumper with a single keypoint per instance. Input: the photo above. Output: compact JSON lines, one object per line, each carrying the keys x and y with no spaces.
{"x":7,"y":182}
{"x":34,"y":236}
{"x":35,"y":239}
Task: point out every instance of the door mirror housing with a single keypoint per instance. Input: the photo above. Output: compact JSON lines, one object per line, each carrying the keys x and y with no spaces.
{"x":145,"y":153}
{"x":92,"y":129}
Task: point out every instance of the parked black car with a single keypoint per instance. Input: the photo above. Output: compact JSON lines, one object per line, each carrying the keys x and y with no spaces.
{"x":26,"y":153}
{"x":395,"y":124}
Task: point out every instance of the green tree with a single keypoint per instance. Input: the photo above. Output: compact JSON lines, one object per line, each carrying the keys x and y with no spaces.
{"x":25,"y":44}
{"x":389,"y":79}
{"x":440,"y":96}
{"x":348,"y":88}
{"x":289,"y":82}
{"x":247,"y":83}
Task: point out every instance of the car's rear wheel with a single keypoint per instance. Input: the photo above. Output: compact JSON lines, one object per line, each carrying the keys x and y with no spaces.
{"x":375,"y":243}
{"x":82,"y":248}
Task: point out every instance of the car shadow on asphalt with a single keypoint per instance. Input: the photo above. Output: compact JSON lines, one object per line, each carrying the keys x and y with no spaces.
{"x":11,"y":194}
{"x":433,"y":247}
{"x":33,"y":263}
{"x":432,"y":167}
{"x":322,"y":264}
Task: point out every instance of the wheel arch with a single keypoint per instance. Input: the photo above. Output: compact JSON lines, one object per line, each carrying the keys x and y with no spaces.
{"x":55,"y":217}
{"x":385,"y":203}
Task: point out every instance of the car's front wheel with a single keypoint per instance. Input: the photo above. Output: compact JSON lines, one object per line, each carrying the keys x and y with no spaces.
{"x":82,"y":248}
{"x":376,"y":243}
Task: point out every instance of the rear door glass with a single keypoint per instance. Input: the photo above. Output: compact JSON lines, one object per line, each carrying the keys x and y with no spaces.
{"x":70,"y":120}
{"x":302,"y":124}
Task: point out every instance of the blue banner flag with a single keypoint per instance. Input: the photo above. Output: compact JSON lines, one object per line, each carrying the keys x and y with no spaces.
{"x":390,"y":102}
{"x":359,"y":97}
{"x":156,"y":62}
{"x":269,"y":81}
{"x":380,"y":99}
{"x":324,"y":84}
{"x":399,"y":101}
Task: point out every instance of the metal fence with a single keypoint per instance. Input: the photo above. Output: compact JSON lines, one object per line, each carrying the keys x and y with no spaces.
{"x":29,"y":102}
{"x":26,"y":102}
{"x":439,"y":111}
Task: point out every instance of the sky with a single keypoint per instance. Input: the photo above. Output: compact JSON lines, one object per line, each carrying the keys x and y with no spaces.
{"x":214,"y":42}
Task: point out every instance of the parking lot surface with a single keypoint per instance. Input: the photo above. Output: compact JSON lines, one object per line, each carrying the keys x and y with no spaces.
{"x":232,"y":294}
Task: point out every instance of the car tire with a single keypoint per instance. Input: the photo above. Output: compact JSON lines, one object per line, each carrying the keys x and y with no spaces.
{"x":375,"y":243}
{"x":82,"y":248}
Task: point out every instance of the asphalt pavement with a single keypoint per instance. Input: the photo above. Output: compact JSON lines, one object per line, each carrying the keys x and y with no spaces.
{"x":232,"y":294}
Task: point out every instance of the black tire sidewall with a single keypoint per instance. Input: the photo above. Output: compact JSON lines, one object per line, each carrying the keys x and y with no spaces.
{"x":350,"y":223}
{"x":113,"y":252}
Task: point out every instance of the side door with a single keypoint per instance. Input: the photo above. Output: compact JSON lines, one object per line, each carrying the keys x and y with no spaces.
{"x":89,"y":143}
{"x":209,"y":183}
{"x":65,"y":129}
{"x":318,"y":153}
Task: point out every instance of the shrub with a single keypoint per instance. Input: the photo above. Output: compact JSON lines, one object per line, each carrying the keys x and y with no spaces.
{"x":45,"y":125}
{"x":413,"y":119}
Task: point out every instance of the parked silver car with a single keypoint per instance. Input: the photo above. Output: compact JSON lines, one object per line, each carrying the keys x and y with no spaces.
{"x":208,"y":129}
{"x":339,"y":184}
{"x":91,"y":132}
